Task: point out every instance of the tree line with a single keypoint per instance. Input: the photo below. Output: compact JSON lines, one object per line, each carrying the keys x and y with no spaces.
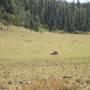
{"x":51,"y":14}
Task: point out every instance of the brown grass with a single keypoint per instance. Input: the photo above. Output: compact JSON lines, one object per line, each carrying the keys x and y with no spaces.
{"x":49,"y":84}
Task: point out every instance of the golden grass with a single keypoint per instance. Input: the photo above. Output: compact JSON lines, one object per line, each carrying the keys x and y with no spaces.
{"x":49,"y":84}
{"x":25,"y":56}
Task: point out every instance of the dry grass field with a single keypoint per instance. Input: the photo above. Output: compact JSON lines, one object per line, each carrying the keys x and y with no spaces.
{"x":26,"y":63}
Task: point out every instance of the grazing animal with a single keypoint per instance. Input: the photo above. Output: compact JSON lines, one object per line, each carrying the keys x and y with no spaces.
{"x":54,"y":53}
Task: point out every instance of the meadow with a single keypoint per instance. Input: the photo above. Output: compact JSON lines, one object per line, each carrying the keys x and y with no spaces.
{"x":25,"y":56}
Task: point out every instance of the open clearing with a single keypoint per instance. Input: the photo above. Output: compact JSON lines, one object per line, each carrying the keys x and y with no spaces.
{"x":25,"y":56}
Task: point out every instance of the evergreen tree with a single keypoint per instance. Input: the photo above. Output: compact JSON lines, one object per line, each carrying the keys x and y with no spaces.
{"x":51,"y":14}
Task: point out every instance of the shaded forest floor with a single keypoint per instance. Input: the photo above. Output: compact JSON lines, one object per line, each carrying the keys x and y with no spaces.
{"x":25,"y":59}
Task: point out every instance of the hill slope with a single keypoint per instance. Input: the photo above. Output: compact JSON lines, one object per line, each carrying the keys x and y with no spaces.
{"x":25,"y":55}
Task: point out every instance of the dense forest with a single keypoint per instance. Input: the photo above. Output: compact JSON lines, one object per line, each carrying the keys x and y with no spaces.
{"x":51,"y":14}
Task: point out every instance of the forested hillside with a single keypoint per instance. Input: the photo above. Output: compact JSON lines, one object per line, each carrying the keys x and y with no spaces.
{"x":50,"y":14}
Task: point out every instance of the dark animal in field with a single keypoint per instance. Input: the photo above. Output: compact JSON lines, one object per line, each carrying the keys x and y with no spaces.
{"x":54,"y":53}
